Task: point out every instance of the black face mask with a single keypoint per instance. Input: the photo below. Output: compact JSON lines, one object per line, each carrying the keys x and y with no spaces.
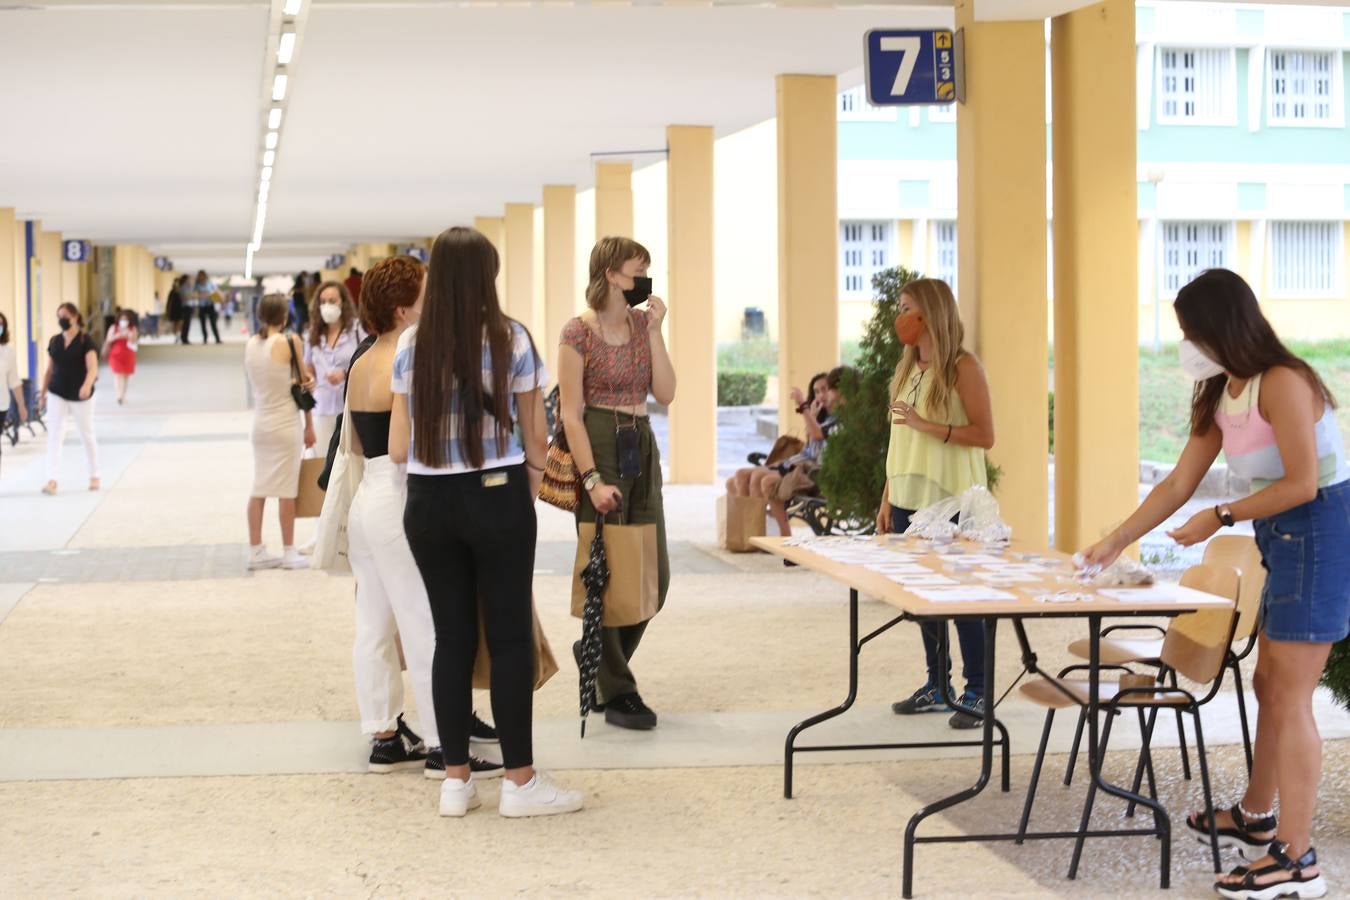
{"x":642,"y":289}
{"x":64,"y":322}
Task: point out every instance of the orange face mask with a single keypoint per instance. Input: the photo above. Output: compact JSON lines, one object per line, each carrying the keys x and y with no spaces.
{"x":909,"y":328}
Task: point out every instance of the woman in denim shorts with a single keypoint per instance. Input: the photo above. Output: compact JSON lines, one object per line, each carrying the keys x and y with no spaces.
{"x":1274,"y":419}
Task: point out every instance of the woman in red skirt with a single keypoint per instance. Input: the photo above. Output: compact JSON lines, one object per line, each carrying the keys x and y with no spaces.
{"x":120,"y":347}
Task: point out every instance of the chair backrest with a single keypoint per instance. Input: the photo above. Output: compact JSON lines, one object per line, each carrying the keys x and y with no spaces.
{"x":1240,"y":551}
{"x":1196,"y":643}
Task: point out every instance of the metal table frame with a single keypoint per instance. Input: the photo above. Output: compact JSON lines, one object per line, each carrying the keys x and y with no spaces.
{"x":1162,"y":824}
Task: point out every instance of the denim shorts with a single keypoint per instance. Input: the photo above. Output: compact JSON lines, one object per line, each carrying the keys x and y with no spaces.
{"x":1306,"y":553}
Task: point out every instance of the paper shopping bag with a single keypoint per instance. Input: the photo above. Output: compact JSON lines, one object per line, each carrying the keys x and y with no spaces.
{"x":743,"y":519}
{"x":545,"y":665}
{"x":309,"y":497}
{"x":633,"y":594}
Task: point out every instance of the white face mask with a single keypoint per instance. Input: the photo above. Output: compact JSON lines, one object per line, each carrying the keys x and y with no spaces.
{"x":1196,"y":364}
{"x":124,"y":323}
{"x":330,"y":312}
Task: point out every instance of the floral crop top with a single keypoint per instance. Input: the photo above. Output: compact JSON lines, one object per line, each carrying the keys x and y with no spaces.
{"x":614,"y":376}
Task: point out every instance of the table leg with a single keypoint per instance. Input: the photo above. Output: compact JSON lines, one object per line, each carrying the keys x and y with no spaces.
{"x":987,"y":754}
{"x":853,"y":651}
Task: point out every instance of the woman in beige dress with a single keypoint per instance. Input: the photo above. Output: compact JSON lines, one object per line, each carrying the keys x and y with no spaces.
{"x":276,"y":436}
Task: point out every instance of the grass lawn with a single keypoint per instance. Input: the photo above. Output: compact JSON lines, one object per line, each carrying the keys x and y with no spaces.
{"x":1164,"y":390}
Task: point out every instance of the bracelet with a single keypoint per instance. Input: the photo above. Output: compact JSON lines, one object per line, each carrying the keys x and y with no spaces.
{"x":587,"y":474}
{"x":533,"y":466}
{"x":949,"y":434}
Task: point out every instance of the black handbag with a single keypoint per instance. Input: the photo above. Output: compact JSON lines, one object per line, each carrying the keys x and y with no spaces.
{"x":303,"y":398}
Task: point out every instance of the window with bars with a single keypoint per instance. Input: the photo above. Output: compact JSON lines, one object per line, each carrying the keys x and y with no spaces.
{"x":943,"y":112}
{"x":1188,"y":248}
{"x":944,"y":252}
{"x":1303,"y":87}
{"x":853,"y":107}
{"x":866,"y":249}
{"x":1197,"y":86}
{"x":1305,"y":258}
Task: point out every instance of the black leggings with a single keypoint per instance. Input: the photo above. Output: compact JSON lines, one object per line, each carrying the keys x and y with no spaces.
{"x":473,"y":537}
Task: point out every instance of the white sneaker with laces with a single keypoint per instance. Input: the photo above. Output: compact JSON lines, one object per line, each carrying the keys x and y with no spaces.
{"x":539,"y":797}
{"x":293,"y":560}
{"x":458,"y":797}
{"x":259,"y":558}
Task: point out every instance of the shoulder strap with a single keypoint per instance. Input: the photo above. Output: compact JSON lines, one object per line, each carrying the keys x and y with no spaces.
{"x":295,"y":363}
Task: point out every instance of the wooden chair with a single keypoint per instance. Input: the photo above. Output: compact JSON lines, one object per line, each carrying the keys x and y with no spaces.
{"x":1197,"y":646}
{"x":1236,"y":550}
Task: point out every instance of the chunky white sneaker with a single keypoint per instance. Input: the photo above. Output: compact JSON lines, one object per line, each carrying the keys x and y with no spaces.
{"x":458,"y":797}
{"x":540,"y":797}
{"x":293,"y":560}
{"x":259,"y":558}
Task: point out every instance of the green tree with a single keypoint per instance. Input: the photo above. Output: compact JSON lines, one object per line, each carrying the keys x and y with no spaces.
{"x":1337,"y":675}
{"x":853,"y":466}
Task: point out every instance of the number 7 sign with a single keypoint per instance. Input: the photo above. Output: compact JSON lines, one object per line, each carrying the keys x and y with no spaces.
{"x":911,"y":67}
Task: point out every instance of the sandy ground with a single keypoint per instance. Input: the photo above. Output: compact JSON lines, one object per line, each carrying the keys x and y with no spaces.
{"x":661,"y":833}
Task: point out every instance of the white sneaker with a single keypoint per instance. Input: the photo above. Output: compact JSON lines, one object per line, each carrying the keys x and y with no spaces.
{"x":259,"y":558}
{"x":540,"y":797}
{"x":458,"y":797}
{"x":293,"y":560}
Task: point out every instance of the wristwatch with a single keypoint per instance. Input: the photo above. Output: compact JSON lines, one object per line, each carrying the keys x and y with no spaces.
{"x":1225,"y":516}
{"x":591,"y":480}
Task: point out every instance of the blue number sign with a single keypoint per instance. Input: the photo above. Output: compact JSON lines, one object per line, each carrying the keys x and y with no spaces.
{"x":75,"y":251}
{"x":910,"y":67}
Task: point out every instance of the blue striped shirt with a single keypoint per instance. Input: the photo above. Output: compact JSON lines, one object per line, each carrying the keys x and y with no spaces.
{"x":527,"y":373}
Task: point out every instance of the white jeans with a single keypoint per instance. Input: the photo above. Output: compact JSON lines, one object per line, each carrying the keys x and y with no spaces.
{"x":391,"y":601}
{"x":323,"y":433}
{"x":59,"y":410}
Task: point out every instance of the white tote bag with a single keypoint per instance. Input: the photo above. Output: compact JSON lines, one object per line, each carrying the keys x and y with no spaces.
{"x":330,"y":545}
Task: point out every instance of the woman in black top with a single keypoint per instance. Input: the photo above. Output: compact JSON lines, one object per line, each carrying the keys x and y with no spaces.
{"x":71,"y":372}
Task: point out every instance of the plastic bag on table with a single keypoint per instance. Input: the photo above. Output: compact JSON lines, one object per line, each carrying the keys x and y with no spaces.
{"x":980,"y":519}
{"x":934,"y":523}
{"x":1124,"y":572}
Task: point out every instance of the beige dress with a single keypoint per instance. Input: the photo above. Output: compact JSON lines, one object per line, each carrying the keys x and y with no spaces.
{"x":278,"y":433}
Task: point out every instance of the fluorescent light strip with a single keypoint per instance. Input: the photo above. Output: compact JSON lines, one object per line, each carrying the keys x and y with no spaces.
{"x":286,"y":47}
{"x":266,"y":174}
{"x":270,"y":142}
{"x":274,"y":118}
{"x":279,"y":87}
{"x":292,"y":7}
{"x":269,"y":158}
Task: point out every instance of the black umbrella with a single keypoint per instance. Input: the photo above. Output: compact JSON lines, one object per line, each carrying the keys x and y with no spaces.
{"x":595,"y":576}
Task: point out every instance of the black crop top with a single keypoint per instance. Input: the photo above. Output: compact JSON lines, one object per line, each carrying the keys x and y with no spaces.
{"x":373,"y":430}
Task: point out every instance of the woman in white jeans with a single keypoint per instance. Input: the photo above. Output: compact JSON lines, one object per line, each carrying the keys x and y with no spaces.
{"x":391,"y":599}
{"x":72,"y":370}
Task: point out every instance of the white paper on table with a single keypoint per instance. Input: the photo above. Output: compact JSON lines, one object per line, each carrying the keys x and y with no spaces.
{"x":983,"y":559}
{"x":964,"y":594}
{"x":1007,"y":577}
{"x":889,"y":568}
{"x":1140,"y":595}
{"x":1014,"y":567}
{"x":930,"y":580}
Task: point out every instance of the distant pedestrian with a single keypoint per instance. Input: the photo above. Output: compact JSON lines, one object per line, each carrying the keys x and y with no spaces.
{"x":72,"y":369}
{"x":121,"y":345}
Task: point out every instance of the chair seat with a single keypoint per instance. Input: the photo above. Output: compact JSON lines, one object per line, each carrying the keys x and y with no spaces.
{"x":1043,"y":692}
{"x":1116,"y":651}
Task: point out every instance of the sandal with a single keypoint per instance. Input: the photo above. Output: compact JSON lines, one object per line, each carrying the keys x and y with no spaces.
{"x":1238,"y":837}
{"x":1297,"y":885}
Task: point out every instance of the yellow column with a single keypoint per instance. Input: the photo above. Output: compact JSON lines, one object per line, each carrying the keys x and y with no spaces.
{"x":9,"y":270}
{"x":692,"y":319}
{"x":1001,"y":249}
{"x":1096,"y":271}
{"x":562,"y":291}
{"x":808,"y":233}
{"x":494,"y":229}
{"x":613,"y":200}
{"x":52,"y":295}
{"x":519,"y":226}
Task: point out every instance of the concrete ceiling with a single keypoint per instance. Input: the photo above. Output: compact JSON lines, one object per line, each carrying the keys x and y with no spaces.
{"x":142,"y":122}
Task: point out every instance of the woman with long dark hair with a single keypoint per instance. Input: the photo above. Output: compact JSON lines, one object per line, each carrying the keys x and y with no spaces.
{"x":462,"y":378}
{"x":1274,"y":419}
{"x":611,"y":358}
{"x":72,"y":369}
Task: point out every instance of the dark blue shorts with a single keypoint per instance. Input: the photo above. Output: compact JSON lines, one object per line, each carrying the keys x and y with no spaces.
{"x":1306,"y":552}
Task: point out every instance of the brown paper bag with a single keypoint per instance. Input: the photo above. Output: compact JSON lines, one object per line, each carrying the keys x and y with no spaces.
{"x":784,"y":449}
{"x":545,"y":665}
{"x":633,"y":594}
{"x":309,"y":498}
{"x":744,"y":519}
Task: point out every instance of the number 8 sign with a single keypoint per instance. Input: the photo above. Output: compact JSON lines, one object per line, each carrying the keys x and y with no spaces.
{"x":910,"y":67}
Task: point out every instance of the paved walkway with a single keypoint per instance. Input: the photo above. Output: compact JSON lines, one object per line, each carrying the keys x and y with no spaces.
{"x":138,"y":656}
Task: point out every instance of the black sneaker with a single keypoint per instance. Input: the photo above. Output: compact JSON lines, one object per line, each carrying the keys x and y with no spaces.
{"x":478,"y":768}
{"x":962,"y":719}
{"x":628,"y":711}
{"x":481,"y":732}
{"x":926,"y":699}
{"x":404,"y":750}
{"x":596,"y":705}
